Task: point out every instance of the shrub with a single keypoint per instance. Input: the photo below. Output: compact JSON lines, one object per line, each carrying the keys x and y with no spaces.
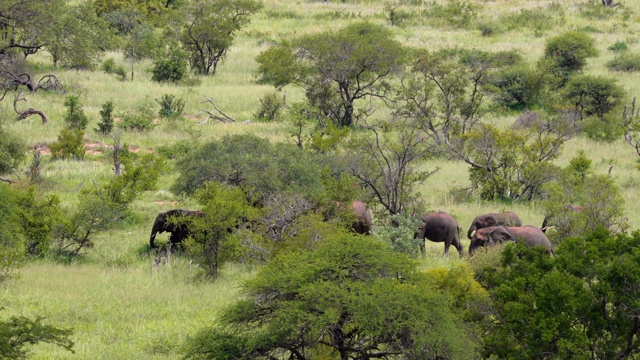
{"x":70,"y":145}
{"x":12,"y":151}
{"x":628,"y":62}
{"x":109,"y":66}
{"x":170,"y":66}
{"x":170,"y":106}
{"x":568,"y":53}
{"x":619,"y":46}
{"x":106,"y":114}
{"x":271,"y":107}
{"x":594,"y":96}
{"x":75,"y":117}
{"x":137,"y":121}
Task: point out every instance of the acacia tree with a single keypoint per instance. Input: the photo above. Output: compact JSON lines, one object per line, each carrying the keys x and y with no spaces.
{"x":347,"y":298}
{"x":210,"y":27}
{"x":337,"y":69}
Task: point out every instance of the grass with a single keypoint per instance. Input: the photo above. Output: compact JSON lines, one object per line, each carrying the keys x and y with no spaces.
{"x":120,"y":305}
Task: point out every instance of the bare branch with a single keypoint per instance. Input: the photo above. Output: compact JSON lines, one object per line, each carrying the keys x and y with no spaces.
{"x":30,"y":111}
{"x":210,"y":115}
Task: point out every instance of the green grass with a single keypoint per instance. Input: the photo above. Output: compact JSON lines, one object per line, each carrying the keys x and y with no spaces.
{"x":120,"y":305}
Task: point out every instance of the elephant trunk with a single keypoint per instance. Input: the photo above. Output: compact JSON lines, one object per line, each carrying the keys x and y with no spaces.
{"x":157,"y":228}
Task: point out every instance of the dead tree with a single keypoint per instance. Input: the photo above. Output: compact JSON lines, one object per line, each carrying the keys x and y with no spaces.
{"x":222,"y":117}
{"x":28,"y":112}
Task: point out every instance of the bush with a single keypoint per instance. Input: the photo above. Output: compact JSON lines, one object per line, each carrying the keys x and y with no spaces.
{"x":109,"y":66}
{"x":619,"y":46}
{"x":401,"y":237}
{"x":70,"y":145}
{"x":568,"y":53}
{"x":271,"y":107}
{"x":594,"y":96}
{"x":106,"y":114}
{"x":170,"y":66}
{"x":628,"y":62}
{"x":12,"y":151}
{"x":170,"y":107}
{"x":519,"y":87}
{"x":75,"y":117}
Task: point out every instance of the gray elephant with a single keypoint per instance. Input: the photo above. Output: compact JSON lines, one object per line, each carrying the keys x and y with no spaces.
{"x":440,"y":227}
{"x":363,"y":221}
{"x":530,"y":235}
{"x":170,"y":221}
{"x":508,"y":218}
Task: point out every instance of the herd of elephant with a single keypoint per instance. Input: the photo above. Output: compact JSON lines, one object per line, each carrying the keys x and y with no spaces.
{"x":485,"y":230}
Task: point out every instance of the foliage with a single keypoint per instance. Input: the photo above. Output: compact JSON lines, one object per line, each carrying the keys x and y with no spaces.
{"x":209,"y":30}
{"x":12,"y":151}
{"x":170,"y":106}
{"x":574,"y":305}
{"x":600,"y":201}
{"x":75,"y":117}
{"x":336,"y":69}
{"x":539,"y":20}
{"x":76,"y":40}
{"x":140,"y":174}
{"x":457,"y":13}
{"x":400,"y":234}
{"x":36,"y":219}
{"x":513,"y":164}
{"x":626,"y":61}
{"x":568,"y":53}
{"x":349,"y":297}
{"x":271,"y":107}
{"x":385,"y":160}
{"x":19,"y":331}
{"x":27,"y":24}
{"x":11,"y":241}
{"x":521,"y":87}
{"x":139,"y":120}
{"x":170,"y":66}
{"x":215,"y":243}
{"x":260,"y":168}
{"x":70,"y":145}
{"x":109,"y":66}
{"x":106,"y":115}
{"x":618,"y":46}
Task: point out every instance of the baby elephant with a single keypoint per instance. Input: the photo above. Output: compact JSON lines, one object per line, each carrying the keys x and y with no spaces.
{"x":530,"y":235}
{"x":440,"y":227}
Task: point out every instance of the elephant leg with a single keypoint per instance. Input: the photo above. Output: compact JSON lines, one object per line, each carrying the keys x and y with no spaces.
{"x":456,"y":243}
{"x":446,"y":248}
{"x":423,"y":250}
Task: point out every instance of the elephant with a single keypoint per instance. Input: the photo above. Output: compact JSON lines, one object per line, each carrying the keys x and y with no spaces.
{"x":440,"y":227}
{"x":547,"y":218}
{"x":363,"y":221}
{"x":168,"y":221}
{"x":529,"y":234}
{"x":508,"y":218}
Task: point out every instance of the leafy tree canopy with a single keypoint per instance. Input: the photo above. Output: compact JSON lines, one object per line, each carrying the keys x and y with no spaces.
{"x":19,"y":331}
{"x":349,"y":297}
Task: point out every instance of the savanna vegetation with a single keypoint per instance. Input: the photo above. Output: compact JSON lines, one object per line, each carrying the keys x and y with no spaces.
{"x":270,"y":116}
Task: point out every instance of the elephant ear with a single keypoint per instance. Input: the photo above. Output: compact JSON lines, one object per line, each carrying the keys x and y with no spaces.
{"x":490,"y":221}
{"x":499,"y":235}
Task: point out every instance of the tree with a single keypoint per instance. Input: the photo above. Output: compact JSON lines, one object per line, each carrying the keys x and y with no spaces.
{"x":25,"y":24}
{"x":337,"y":69}
{"x":75,"y":117}
{"x":210,"y":27}
{"x":12,"y":152}
{"x":19,"y":331}
{"x":348,"y":297}
{"x":141,"y":41}
{"x":580,"y":304}
{"x":225,"y":208}
{"x":76,"y":41}
{"x":12,"y":252}
{"x":385,"y":160}
{"x":568,"y":53}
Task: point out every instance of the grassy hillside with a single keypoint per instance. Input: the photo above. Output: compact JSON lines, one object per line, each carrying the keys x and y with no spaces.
{"x":120,"y":305}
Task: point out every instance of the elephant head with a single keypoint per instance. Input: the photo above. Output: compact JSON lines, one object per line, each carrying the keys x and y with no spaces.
{"x":363,"y":220}
{"x":508,"y":218}
{"x":530,"y":235}
{"x":170,"y":221}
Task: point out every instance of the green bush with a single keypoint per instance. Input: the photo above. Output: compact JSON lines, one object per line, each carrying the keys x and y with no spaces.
{"x":595,"y":96}
{"x":568,"y":53}
{"x":170,"y":106}
{"x":170,"y":66}
{"x":75,"y":117}
{"x":537,"y":20}
{"x":271,"y":107}
{"x":106,"y":114}
{"x":518,"y":87}
{"x":619,"y":46}
{"x":401,"y":237}
{"x":628,"y":62}
{"x":70,"y":145}
{"x":12,"y":151}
